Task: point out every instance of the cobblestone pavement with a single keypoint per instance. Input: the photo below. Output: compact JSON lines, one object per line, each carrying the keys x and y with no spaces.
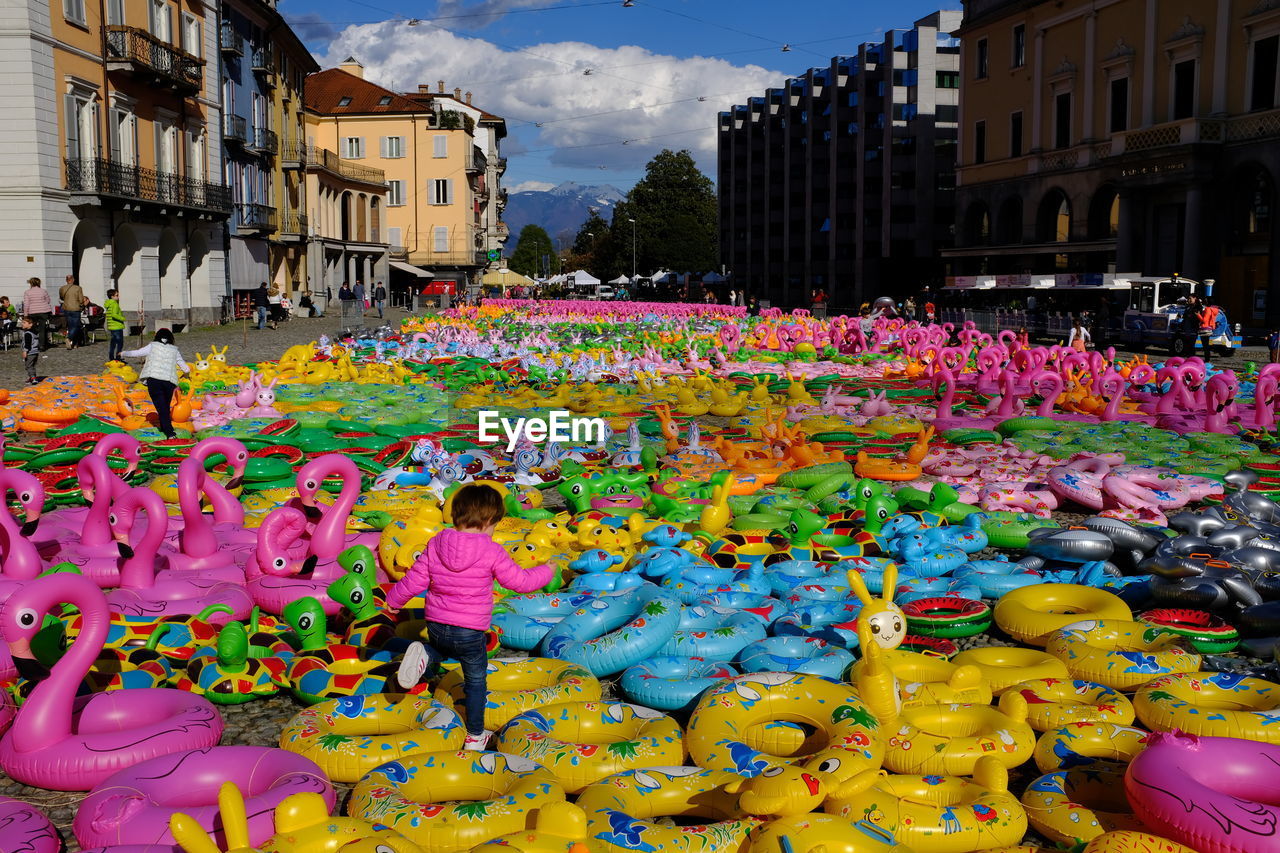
{"x":247,"y":344}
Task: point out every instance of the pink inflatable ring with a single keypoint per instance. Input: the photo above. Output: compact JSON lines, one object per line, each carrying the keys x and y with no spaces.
{"x":24,"y":828}
{"x":134,"y":805}
{"x":1213,"y":794}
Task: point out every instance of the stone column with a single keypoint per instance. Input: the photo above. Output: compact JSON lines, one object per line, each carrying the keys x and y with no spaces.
{"x":1127,"y":259}
{"x":1193,"y":235}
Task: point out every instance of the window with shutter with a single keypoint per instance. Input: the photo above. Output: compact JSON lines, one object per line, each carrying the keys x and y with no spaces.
{"x":448,"y":191}
{"x":395,"y":193}
{"x":71,"y":123}
{"x":393,"y":236}
{"x":115,"y":11}
{"x":440,"y":145}
{"x":73,"y":10}
{"x":441,"y":238}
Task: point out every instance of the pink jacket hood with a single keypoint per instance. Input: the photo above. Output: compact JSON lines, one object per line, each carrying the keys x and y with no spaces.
{"x":455,"y":573}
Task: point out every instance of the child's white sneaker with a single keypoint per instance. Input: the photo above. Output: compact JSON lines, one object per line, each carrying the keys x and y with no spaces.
{"x":477,"y":742}
{"x":412,"y":666}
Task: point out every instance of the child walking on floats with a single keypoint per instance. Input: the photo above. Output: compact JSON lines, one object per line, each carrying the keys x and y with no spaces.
{"x":455,"y":574}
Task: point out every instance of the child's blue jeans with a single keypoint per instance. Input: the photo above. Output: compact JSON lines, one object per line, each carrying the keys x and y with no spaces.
{"x":469,"y":648}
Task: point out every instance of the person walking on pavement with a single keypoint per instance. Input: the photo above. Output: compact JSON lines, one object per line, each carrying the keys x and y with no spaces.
{"x":379,"y":297}
{"x":358,"y":293}
{"x":347,"y":299}
{"x":160,"y":372}
{"x":114,"y":323}
{"x":73,"y":303}
{"x":37,"y":305}
{"x":261,"y":302}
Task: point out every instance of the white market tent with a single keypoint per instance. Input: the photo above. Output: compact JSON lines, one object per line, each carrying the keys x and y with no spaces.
{"x":505,"y":278}
{"x":583,"y":277}
{"x":622,"y":279}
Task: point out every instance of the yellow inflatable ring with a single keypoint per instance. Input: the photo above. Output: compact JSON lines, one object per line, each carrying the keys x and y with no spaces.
{"x":824,"y":832}
{"x":1071,"y":806}
{"x":517,"y":685}
{"x":1054,"y":702}
{"x":948,"y":740}
{"x":1215,"y":704}
{"x":1030,"y":614}
{"x":1080,"y":744}
{"x":1120,"y":653}
{"x":583,"y":742}
{"x":941,"y":814}
{"x":1127,"y":841}
{"x":930,"y":680}
{"x":851,"y":737}
{"x":635,"y":800}
{"x":1004,"y":666}
{"x":350,"y":736}
{"x":448,"y":802}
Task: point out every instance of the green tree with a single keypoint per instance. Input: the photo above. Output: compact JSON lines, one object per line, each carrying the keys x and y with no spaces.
{"x":532,"y":248}
{"x":675,"y":211}
{"x":593,"y":247}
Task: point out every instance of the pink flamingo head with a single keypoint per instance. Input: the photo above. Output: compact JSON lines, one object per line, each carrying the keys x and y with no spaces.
{"x":29,"y":493}
{"x":125,"y":512}
{"x":312,"y":476}
{"x":282,"y":528}
{"x":233,"y":451}
{"x":130,"y":449}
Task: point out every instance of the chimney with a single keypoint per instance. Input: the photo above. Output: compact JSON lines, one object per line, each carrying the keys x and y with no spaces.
{"x":457,"y":94}
{"x":424,"y":89}
{"x":468,"y":99}
{"x":352,"y":66}
{"x":440,"y":84}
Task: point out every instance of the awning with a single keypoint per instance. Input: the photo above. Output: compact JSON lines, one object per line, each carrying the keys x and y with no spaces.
{"x":411,"y":269}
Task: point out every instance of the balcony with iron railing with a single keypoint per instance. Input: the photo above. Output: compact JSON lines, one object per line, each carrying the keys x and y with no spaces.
{"x":265,"y":141}
{"x":293,"y":226}
{"x":107,"y":180}
{"x":231,"y":41}
{"x":136,"y":51}
{"x":235,"y":128}
{"x":293,"y":154}
{"x":255,"y":218}
{"x":323,"y":158}
{"x":261,"y":61}
{"x":501,"y":164}
{"x":476,"y":161}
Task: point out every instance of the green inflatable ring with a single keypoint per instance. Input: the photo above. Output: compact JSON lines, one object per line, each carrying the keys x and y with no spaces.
{"x":811,"y":475}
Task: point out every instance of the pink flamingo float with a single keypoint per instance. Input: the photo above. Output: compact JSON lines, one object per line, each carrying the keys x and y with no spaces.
{"x":283,"y":571}
{"x":21,"y":562}
{"x":99,"y":487}
{"x":145,"y":592}
{"x":327,"y":525}
{"x":62,"y":744}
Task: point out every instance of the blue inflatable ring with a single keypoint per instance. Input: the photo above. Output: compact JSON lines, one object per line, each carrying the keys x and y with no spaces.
{"x":611,"y":633}
{"x":795,"y":654}
{"x":672,"y":683}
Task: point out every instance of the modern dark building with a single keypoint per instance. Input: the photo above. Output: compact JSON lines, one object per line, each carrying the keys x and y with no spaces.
{"x":1127,"y":136}
{"x":843,"y":179}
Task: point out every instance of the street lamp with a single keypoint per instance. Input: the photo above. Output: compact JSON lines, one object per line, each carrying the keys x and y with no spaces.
{"x":633,"y":247}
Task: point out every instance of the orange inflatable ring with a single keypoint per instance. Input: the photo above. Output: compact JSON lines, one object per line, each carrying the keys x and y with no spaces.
{"x":59,"y":415}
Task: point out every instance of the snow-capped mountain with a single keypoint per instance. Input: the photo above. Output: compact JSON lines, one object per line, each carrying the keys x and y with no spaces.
{"x":560,"y":209}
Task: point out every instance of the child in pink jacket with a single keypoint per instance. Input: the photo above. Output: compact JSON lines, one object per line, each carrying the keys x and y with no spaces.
{"x":455,"y":574}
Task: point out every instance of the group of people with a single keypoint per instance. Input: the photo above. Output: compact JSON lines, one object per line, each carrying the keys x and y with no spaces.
{"x":35,"y":318}
{"x":357,"y":300}
{"x":272,"y":306}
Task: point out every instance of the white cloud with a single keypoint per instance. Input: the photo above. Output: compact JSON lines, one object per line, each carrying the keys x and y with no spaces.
{"x":532,"y":187}
{"x":631,"y":94}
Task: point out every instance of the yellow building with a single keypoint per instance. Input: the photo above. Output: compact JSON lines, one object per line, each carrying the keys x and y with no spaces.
{"x":347,"y":237}
{"x":112,"y":171}
{"x":1132,"y":136}
{"x":442,"y":166}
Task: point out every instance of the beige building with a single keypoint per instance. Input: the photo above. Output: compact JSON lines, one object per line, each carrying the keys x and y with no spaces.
{"x":1133,"y":136}
{"x":347,"y":234}
{"x":112,"y":169}
{"x":442,"y":167}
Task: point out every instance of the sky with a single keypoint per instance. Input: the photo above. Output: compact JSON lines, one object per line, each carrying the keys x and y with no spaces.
{"x":592,"y":89}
